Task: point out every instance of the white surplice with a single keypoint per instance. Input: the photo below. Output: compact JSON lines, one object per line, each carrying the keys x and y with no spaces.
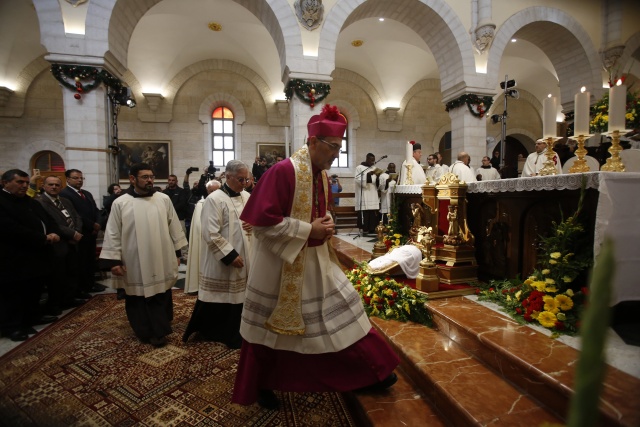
{"x":221,"y":234}
{"x":535,"y":161}
{"x":463,"y":172}
{"x":488,"y":174}
{"x":385,"y":193}
{"x":366,"y":192}
{"x":144,"y":233}
{"x":195,"y":246}
{"x":417,"y":173}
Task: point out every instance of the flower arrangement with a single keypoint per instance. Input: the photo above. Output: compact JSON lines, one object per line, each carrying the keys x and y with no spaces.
{"x":600,"y":113}
{"x":551,"y":296}
{"x":386,"y":298}
{"x":393,"y":237}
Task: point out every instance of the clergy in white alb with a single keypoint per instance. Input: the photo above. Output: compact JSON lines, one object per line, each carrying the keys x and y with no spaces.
{"x":386,"y":187}
{"x":461,"y":168}
{"x":195,"y":243}
{"x":141,"y":246}
{"x":366,"y":190}
{"x":304,"y":325}
{"x":224,"y":261}
{"x":535,"y":161}
{"x":417,"y":173}
{"x":487,"y":172}
{"x":434,"y":171}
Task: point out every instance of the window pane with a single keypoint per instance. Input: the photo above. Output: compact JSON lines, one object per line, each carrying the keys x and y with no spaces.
{"x":228,"y":143}
{"x":343,"y":160}
{"x":228,"y":114}
{"x":217,"y":143}
{"x":217,"y":113}
{"x":228,"y":126}
{"x":228,"y":155}
{"x":218,"y":159}
{"x":217,"y":126}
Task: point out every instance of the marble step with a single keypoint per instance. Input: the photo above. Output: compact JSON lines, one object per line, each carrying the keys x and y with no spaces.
{"x":540,"y":366}
{"x":461,"y":388}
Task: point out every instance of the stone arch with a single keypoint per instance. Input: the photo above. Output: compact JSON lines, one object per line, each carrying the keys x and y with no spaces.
{"x":221,"y":99}
{"x":114,"y":34}
{"x":453,"y":51}
{"x":51,"y":25}
{"x":15,"y":105}
{"x":561,"y":38}
{"x":437,"y":137}
{"x":631,"y":50}
{"x":359,"y":81}
{"x":350,"y":112}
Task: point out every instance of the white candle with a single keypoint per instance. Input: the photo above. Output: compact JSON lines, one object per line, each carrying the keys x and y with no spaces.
{"x":581,"y":103}
{"x":549,"y":113}
{"x":409,"y":152}
{"x":617,"y":106}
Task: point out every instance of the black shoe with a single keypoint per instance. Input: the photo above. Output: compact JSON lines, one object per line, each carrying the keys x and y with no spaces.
{"x":45,"y":320}
{"x":31,"y":331}
{"x":268,"y":400}
{"x":18,"y":336}
{"x":381,"y":385}
{"x":158,"y":342}
{"x":97,"y":288}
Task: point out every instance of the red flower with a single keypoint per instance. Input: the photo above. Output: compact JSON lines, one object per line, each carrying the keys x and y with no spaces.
{"x":395,"y":294}
{"x":477,"y":291}
{"x":519,"y":310}
{"x":367,"y":300}
{"x":379,"y":306}
{"x":528,"y":317}
{"x":391,"y":302}
{"x":559,"y":325}
{"x":585,"y":291}
{"x":491,"y":289}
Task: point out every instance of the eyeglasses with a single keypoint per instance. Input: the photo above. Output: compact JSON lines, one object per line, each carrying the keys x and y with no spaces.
{"x":334,"y":147}
{"x":147,"y":177}
{"x":240,"y":180}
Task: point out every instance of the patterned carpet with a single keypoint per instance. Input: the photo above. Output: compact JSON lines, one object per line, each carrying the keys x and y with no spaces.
{"x":89,"y":369}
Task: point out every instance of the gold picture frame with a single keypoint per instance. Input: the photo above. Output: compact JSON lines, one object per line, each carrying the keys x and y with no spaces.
{"x":155,"y":152}
{"x":271,"y":150}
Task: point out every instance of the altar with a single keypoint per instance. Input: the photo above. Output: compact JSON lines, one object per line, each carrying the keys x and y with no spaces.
{"x":508,"y":216}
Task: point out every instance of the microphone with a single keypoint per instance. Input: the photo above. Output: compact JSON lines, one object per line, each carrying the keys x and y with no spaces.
{"x":383,"y":157}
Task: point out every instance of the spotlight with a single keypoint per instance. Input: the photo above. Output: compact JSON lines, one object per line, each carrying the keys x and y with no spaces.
{"x":510,"y":83}
{"x":513,"y":93}
{"x":123,"y":97}
{"x":496,"y":118}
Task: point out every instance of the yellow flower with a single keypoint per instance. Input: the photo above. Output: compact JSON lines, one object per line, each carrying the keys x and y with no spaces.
{"x":535,"y":314}
{"x":539,"y":285}
{"x":561,"y":317}
{"x":550,"y":281}
{"x":397,"y":242}
{"x":389,"y":312}
{"x":528,"y":281}
{"x":397,"y":236}
{"x":508,"y":297}
{"x":518,"y":295}
{"x":553,"y":261}
{"x":551,"y":289}
{"x":555,"y":255}
{"x":547,"y":319}
{"x":564,"y":302}
{"x":569,"y":292}
{"x":567,"y":279}
{"x":546,"y":271}
{"x":550,"y":304}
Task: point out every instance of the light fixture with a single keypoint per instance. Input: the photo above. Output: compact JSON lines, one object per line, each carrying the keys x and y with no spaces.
{"x":123,"y":96}
{"x":357,"y":43}
{"x":381,"y":19}
{"x":496,"y":118}
{"x":509,"y":83}
{"x":514,"y":40}
{"x":214,"y":26}
{"x":513,"y":93}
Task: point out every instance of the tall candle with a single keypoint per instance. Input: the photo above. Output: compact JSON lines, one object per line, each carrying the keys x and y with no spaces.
{"x":581,"y":103}
{"x":409,"y":152}
{"x":549,"y":113}
{"x":617,"y":106}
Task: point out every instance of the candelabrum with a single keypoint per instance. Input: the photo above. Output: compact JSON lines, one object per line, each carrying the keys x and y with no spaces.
{"x":580,"y":165}
{"x":408,"y":180}
{"x":549,"y":167}
{"x":614,"y":163}
{"x":379,"y":248}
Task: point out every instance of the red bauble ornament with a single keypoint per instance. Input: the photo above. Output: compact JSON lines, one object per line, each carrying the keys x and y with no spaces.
{"x":311,"y":105}
{"x":79,"y":88}
{"x":77,"y":96}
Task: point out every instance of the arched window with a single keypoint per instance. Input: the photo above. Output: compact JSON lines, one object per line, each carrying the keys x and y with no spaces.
{"x":48,"y":161}
{"x":222,"y":136}
{"x":343,"y":160}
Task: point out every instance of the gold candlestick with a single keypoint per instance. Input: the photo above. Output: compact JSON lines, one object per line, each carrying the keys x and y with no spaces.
{"x":614,"y":163}
{"x":549,"y":167}
{"x":580,"y":165}
{"x":408,"y":180}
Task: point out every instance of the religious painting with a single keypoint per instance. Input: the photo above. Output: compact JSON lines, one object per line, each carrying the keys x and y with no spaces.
{"x":271,"y":150}
{"x":156,"y":153}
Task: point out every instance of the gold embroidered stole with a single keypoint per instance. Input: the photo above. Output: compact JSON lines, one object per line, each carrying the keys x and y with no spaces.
{"x":286,"y":318}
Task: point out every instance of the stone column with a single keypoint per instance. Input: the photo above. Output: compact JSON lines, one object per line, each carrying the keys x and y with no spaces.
{"x":300,"y":114}
{"x":86,"y":138}
{"x":468,"y":133}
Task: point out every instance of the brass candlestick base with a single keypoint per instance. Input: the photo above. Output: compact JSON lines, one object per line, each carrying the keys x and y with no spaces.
{"x":580,"y":165}
{"x":427,"y":280}
{"x":614,"y":163}
{"x":379,"y":248}
{"x":408,"y":180}
{"x":549,"y":167}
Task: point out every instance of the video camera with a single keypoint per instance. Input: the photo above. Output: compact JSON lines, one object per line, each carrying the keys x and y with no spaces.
{"x":192,"y":169}
{"x":211,"y":170}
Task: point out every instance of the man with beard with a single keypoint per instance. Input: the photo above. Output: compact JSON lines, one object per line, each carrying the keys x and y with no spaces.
{"x":142,"y":249}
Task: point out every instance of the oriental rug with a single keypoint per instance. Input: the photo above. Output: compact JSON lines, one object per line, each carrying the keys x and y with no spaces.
{"x":89,"y":369}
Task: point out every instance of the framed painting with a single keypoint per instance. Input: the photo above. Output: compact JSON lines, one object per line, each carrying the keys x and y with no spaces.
{"x":271,"y":150}
{"x":156,"y":153}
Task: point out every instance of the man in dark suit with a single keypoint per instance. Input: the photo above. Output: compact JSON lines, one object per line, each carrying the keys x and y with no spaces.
{"x":27,"y":234}
{"x":64,"y":284}
{"x":86,"y":207}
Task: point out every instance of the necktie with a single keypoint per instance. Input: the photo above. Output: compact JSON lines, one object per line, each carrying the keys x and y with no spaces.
{"x":82,"y":194}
